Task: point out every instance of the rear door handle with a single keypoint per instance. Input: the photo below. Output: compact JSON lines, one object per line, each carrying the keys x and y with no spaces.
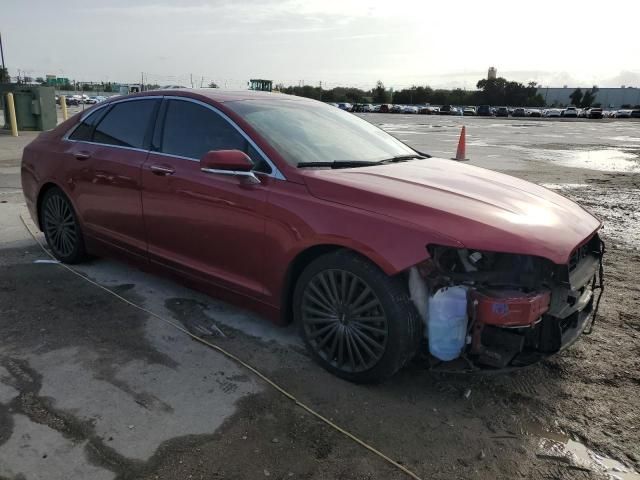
{"x":82,"y":155}
{"x":162,"y":170}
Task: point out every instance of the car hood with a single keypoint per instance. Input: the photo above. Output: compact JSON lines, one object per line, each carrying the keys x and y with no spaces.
{"x":476,"y":207}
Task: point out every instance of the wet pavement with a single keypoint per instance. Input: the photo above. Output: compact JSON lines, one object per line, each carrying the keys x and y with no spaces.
{"x":596,"y":162}
{"x":520,"y":144}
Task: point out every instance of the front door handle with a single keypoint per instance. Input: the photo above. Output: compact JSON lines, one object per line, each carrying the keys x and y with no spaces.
{"x":82,"y":155}
{"x":162,"y":170}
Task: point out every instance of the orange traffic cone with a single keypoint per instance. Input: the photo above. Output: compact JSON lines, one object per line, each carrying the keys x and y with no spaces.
{"x":462,"y":146}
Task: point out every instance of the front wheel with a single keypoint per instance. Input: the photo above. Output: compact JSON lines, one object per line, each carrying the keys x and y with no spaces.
{"x":357,"y":322}
{"x":61,"y":227}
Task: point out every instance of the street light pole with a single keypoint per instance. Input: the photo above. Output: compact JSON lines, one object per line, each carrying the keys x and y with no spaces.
{"x":1,"y":51}
{"x":2,"y":55}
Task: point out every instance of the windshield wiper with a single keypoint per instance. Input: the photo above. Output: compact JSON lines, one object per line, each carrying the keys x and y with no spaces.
{"x":337,"y":164}
{"x":355,"y":163}
{"x":403,"y":158}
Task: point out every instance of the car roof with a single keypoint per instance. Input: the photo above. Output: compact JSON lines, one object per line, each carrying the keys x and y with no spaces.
{"x":222,"y":95}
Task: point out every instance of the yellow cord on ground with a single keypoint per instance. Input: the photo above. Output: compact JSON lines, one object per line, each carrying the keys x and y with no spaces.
{"x":234,"y":358}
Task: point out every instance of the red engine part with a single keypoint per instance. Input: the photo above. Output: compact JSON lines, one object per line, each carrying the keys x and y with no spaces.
{"x":509,"y":308}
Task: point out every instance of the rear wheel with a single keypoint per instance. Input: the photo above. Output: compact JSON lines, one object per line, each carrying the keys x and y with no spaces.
{"x":356,"y":321}
{"x":61,"y":228}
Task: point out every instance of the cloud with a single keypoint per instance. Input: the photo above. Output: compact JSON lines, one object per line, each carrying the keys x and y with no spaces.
{"x":362,"y":36}
{"x":626,"y":78}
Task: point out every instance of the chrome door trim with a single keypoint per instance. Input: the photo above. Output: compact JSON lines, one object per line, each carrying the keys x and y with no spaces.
{"x":235,"y":173}
{"x":107,"y":104}
{"x":162,"y":170}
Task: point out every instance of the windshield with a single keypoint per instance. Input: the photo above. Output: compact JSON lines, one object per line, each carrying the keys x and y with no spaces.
{"x":305,"y":132}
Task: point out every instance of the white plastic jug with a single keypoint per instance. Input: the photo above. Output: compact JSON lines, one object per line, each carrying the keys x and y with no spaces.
{"x":447,"y":322}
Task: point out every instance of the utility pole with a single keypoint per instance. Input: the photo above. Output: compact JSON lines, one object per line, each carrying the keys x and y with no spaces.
{"x":191,"y":76}
{"x":2,"y":54}
{"x":142,"y":81}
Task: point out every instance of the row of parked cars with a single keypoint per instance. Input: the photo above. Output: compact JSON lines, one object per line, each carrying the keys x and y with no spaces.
{"x":594,"y":112}
{"x":81,"y":99}
{"x":489,"y":111}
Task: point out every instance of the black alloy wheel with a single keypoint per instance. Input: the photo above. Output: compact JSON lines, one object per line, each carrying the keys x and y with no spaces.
{"x":356,"y":321}
{"x":344,"y":320}
{"x":61,"y":228}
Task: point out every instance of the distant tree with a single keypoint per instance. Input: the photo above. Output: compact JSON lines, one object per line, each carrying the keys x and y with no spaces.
{"x":379,"y":94}
{"x":440,"y":97}
{"x":576,"y":97}
{"x":327,"y":96}
{"x":311,"y":92}
{"x":589,"y":97}
{"x":500,"y":91}
{"x":636,"y":106}
{"x":625,"y":106}
{"x":40,"y":80}
{"x":494,"y":90}
{"x":4,"y":75}
{"x":108,"y":88}
{"x":213,"y":85}
{"x":497,"y":91}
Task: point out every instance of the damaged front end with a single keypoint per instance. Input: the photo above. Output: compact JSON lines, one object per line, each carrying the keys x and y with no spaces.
{"x":519,"y":308}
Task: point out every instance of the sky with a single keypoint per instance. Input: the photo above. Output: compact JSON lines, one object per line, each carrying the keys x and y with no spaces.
{"x":444,"y":44}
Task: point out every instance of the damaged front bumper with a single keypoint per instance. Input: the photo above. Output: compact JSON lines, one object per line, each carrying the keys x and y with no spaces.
{"x":518,"y":318}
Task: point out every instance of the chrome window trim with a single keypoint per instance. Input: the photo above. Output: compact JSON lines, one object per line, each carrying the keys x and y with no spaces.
{"x":106,"y":105}
{"x":191,"y":159}
{"x":275,"y":171}
{"x":109,"y":145}
{"x":250,"y":175}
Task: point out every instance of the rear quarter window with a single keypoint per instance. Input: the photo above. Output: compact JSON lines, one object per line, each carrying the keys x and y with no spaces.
{"x":127,"y":124}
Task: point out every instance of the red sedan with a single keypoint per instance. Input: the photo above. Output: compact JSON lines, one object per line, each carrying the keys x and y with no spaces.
{"x":306,"y":213}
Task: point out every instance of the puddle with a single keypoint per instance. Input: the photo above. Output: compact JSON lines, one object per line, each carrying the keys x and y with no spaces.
{"x":478,"y":143}
{"x":607,"y":160}
{"x":514,"y":125}
{"x":624,"y":138}
{"x":560,"y":447}
{"x":548,"y":135}
{"x":559,"y":186}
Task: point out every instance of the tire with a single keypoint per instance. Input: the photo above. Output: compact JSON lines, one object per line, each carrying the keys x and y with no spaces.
{"x":61,"y":227}
{"x":357,"y":322}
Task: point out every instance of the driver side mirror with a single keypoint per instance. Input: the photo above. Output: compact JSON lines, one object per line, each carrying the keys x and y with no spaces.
{"x":228,"y":162}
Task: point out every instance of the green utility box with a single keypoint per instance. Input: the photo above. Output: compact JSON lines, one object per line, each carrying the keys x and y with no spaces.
{"x":35,"y":106}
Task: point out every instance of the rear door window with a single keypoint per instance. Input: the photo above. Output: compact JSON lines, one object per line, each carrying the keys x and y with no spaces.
{"x":127,"y":124}
{"x":84,"y":131}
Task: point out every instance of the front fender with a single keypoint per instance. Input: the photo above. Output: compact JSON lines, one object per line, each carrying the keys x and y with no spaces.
{"x":297,"y":221}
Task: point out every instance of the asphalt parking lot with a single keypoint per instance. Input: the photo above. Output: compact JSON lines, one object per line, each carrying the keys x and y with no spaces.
{"x":91,"y":387}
